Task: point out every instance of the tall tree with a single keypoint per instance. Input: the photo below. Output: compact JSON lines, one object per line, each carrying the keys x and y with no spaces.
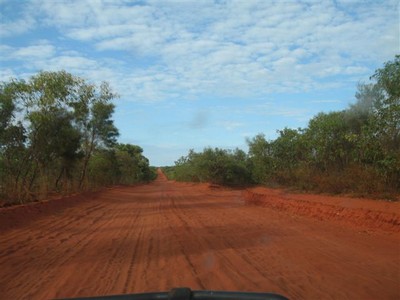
{"x":388,"y":119}
{"x":94,"y":117}
{"x":388,"y":106}
{"x":12,"y":141}
{"x":260,"y":156}
{"x":49,"y":125}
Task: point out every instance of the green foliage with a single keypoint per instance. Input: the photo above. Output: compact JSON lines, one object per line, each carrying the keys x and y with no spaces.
{"x":288,"y":150}
{"x":57,"y":135}
{"x":356,"y":150}
{"x":330,"y":146}
{"x":218,"y":166}
{"x":103,"y":168}
{"x":134,"y":167}
{"x":169,"y":172}
{"x":260,"y":159}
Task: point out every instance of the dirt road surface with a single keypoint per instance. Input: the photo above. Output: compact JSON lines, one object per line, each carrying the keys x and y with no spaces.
{"x":166,"y":234}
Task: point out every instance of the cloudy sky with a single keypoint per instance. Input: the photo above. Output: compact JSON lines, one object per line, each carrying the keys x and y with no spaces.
{"x":192,"y":74}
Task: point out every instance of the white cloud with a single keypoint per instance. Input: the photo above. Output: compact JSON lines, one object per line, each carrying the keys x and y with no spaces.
{"x":70,"y":63}
{"x":236,"y":48}
{"x":274,"y":108}
{"x":39,"y":51}
{"x":34,"y":52}
{"x":45,"y":56}
{"x":16,"y":27}
{"x":231,"y":125}
{"x":66,"y":14}
{"x":6,"y":74}
{"x":326,"y":101}
{"x":14,"y":20}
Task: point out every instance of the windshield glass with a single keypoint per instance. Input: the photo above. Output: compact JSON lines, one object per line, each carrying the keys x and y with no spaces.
{"x":248,"y":146}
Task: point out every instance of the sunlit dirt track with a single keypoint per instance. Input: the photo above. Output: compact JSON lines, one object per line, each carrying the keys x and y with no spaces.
{"x":165,"y":234}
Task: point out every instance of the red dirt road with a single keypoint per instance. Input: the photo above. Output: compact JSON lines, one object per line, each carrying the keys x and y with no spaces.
{"x":166,"y":234}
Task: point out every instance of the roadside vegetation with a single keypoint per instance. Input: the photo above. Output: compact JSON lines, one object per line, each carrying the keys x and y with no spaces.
{"x":354,"y":151}
{"x":57,"y":136}
{"x":212,"y":165}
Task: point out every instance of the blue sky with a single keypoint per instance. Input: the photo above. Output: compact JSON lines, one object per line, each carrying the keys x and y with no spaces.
{"x":192,"y":74}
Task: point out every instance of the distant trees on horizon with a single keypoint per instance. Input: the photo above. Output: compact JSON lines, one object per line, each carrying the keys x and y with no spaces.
{"x":57,"y":135}
{"x":356,"y":150}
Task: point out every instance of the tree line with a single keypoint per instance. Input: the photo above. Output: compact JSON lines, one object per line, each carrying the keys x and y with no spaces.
{"x":57,"y":136}
{"x":356,"y":150}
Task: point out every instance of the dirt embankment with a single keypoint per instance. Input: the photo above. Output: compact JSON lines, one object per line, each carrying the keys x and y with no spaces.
{"x":367,"y":214}
{"x":22,"y":215}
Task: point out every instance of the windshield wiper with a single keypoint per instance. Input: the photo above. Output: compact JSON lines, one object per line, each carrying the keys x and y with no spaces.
{"x":188,"y":294}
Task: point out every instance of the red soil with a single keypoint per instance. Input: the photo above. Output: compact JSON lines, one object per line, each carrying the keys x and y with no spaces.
{"x":370,"y":215}
{"x":166,"y":234}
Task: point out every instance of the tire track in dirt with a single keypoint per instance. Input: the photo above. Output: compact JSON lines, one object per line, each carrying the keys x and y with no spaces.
{"x":134,"y":254}
{"x":206,"y":242}
{"x":56,"y":225}
{"x":47,"y":231}
{"x":166,"y":234}
{"x":44,"y":260}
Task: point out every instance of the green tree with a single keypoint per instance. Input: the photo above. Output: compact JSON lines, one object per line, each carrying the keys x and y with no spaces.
{"x":362,"y":126}
{"x":330,"y":146}
{"x":260,"y":157}
{"x":288,"y":151}
{"x":93,"y":114}
{"x":49,"y":125}
{"x":216,"y":165}
{"x":12,"y":142}
{"x":103,"y":168}
{"x":41,"y":103}
{"x":387,"y":118}
{"x":134,"y":167}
